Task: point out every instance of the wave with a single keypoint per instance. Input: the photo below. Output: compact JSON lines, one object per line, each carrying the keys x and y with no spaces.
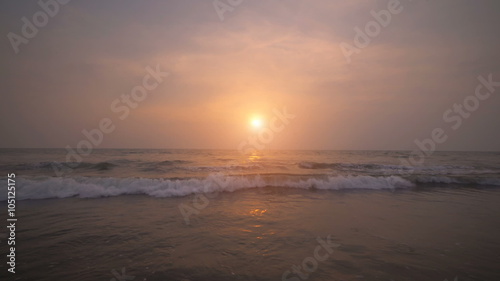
{"x":224,"y":168}
{"x":172,"y":162}
{"x":100,"y":166}
{"x":87,"y":187}
{"x":316,"y":165}
{"x":399,"y":169}
{"x":94,"y":187}
{"x":29,"y":166}
{"x":321,"y":165}
{"x":457,"y":180}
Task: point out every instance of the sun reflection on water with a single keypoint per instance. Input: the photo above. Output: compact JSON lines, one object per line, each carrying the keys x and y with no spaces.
{"x":254,"y":157}
{"x":258,"y":212}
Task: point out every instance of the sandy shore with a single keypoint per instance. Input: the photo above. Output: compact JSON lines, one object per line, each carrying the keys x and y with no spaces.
{"x":260,"y":234}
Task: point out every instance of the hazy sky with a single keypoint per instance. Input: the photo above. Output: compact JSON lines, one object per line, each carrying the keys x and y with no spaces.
{"x":263,"y":55}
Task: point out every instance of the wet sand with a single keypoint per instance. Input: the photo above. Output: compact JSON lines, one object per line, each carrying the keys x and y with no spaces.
{"x":260,"y":234}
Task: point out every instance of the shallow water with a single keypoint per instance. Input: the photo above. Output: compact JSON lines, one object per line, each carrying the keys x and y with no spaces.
{"x":258,"y":234}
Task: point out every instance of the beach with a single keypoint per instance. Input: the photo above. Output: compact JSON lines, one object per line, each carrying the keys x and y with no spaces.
{"x":250,"y":140}
{"x":259,"y":234}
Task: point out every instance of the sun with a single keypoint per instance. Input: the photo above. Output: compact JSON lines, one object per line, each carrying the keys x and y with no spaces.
{"x":256,"y":123}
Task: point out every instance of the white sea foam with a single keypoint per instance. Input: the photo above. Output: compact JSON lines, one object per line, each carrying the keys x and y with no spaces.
{"x":88,"y":187}
{"x":94,"y":187}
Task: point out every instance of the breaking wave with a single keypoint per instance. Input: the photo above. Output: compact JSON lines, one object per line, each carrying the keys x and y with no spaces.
{"x":90,"y":187}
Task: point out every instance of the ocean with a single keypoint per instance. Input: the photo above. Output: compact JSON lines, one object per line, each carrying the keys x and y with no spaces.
{"x":158,"y":214}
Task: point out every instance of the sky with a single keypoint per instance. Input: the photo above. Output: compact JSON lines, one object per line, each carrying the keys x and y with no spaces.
{"x":230,"y":62}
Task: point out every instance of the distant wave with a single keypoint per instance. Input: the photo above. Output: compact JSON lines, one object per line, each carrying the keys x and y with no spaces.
{"x":315,"y":165}
{"x":87,"y":187}
{"x":397,"y":169}
{"x":464,"y":180}
{"x":100,"y":166}
{"x":224,"y":168}
{"x":172,"y":162}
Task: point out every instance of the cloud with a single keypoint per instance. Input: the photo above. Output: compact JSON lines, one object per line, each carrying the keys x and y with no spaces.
{"x":264,"y":54}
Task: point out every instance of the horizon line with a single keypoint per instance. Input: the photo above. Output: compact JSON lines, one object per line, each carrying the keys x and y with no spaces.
{"x":228,"y":149}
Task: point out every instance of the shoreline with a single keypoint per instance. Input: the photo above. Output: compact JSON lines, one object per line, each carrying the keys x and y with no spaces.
{"x":382,"y":235}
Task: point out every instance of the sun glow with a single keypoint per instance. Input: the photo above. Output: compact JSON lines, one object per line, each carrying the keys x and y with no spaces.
{"x":256,"y":123}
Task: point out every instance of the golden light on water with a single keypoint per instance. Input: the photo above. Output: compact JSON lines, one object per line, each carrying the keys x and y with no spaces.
{"x":254,"y":157}
{"x":258,"y":212}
